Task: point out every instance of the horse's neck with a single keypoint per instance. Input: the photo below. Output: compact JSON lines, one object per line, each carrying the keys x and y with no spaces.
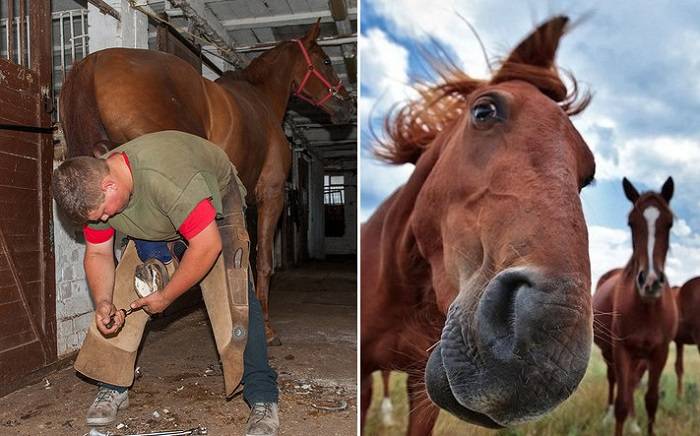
{"x":271,"y":74}
{"x":399,"y":244}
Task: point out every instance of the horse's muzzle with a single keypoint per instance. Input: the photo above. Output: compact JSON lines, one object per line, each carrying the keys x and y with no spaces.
{"x":521,"y":353}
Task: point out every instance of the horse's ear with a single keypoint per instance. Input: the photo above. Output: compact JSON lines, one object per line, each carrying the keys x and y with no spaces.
{"x":630,"y":191}
{"x":540,"y":47}
{"x":314,"y":31}
{"x":667,"y":190}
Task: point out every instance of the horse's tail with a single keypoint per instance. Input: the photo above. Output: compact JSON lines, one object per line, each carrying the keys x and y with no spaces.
{"x":80,"y":116}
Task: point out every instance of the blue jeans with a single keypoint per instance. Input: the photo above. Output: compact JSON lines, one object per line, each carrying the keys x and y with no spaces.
{"x":259,"y":379}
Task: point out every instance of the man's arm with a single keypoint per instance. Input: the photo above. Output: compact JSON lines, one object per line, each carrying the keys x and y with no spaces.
{"x":203,"y":250}
{"x":99,"y":271}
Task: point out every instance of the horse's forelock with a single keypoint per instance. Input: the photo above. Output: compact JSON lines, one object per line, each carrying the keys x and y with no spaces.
{"x":549,"y":82}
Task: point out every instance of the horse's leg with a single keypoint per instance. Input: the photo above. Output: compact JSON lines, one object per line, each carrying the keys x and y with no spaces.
{"x":611,"y":393}
{"x":639,"y":366}
{"x":365,"y":399}
{"x":422,"y":412}
{"x":387,"y":406}
{"x":269,"y":195}
{"x":679,"y":369}
{"x":625,"y":389}
{"x":270,"y":204}
{"x":651,"y":399}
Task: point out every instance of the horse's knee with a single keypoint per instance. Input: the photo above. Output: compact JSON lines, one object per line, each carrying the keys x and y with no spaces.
{"x":264,"y":268}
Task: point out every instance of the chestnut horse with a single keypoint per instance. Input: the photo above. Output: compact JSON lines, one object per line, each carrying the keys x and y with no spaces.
{"x":482,"y":256}
{"x":115,"y":95}
{"x":634,"y":308}
{"x":688,"y":300}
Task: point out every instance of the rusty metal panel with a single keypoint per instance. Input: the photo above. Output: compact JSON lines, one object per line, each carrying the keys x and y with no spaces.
{"x":27,"y":283}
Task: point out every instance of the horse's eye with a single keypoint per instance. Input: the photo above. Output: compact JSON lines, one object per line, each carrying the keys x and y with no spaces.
{"x":485,"y":113}
{"x":327,"y":61}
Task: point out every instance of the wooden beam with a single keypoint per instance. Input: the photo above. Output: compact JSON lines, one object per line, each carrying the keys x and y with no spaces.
{"x":105,"y":8}
{"x":283,"y":20}
{"x":210,"y":26}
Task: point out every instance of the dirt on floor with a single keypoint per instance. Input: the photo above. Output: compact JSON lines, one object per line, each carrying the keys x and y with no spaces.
{"x":180,"y":386}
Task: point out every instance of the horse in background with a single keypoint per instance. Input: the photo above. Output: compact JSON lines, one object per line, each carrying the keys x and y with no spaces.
{"x":113,"y":96}
{"x":688,"y":299}
{"x":634,"y":308}
{"x":475,"y":274}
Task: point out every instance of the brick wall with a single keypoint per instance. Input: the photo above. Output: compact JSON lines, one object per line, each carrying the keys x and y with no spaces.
{"x":73,"y":303}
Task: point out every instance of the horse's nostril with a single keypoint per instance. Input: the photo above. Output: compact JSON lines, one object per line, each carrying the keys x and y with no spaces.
{"x":499,"y":313}
{"x":662,"y":277}
{"x":641,"y":278}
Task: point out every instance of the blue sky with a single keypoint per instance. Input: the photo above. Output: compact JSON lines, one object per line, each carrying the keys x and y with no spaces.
{"x":641,"y":61}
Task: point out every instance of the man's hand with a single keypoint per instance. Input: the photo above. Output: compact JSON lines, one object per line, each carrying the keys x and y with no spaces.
{"x":103,"y":315}
{"x":152,"y":304}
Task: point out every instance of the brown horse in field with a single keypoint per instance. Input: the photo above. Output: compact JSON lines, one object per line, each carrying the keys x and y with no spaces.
{"x":688,"y":299}
{"x":115,"y":95}
{"x":481,"y":258}
{"x":634,"y":308}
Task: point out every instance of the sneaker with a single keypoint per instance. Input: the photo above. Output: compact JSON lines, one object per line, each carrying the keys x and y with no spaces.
{"x":104,"y":409}
{"x":263,"y":420}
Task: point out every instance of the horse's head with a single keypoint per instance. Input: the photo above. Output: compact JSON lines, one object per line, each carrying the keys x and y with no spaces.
{"x":499,"y":168}
{"x":650,"y":220}
{"x":315,"y":80}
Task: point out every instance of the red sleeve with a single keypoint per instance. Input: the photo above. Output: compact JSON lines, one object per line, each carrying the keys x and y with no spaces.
{"x":97,"y":236}
{"x":200,"y":217}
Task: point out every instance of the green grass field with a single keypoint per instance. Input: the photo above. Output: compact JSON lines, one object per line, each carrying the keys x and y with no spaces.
{"x":582,"y":414}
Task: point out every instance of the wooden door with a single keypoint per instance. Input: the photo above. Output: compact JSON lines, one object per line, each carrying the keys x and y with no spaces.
{"x":27,"y":284}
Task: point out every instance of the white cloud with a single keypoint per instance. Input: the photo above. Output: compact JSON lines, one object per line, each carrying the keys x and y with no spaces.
{"x":608,"y":248}
{"x":379,"y":180}
{"x":611,"y":248}
{"x":681,"y":228}
{"x":384,"y":73}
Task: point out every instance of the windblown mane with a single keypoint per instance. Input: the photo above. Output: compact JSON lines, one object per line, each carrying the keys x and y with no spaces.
{"x":411,"y":128}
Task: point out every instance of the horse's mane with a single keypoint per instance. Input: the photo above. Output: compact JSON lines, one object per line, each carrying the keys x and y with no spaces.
{"x":411,"y":128}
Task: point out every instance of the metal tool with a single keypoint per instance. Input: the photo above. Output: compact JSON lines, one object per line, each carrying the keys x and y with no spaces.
{"x":126,"y":313}
{"x":201,"y":430}
{"x":149,"y":277}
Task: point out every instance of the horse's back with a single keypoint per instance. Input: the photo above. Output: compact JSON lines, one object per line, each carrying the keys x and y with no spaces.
{"x":144,"y":91}
{"x":119,"y":94}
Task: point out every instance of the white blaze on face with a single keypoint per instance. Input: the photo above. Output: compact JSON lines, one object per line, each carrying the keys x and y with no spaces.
{"x":651,"y":214}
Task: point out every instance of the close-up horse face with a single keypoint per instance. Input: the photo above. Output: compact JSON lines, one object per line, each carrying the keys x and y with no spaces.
{"x":500,"y":222}
{"x":650,"y":221}
{"x":316,"y":81}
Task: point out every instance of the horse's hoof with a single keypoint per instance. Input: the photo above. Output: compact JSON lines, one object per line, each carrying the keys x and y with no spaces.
{"x":274,"y":341}
{"x":634,"y":427}
{"x":609,"y":416}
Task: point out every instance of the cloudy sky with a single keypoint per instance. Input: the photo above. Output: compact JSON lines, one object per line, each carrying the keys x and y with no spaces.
{"x":640,"y":59}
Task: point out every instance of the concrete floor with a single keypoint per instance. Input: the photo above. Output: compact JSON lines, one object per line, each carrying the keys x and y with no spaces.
{"x":314,"y":311}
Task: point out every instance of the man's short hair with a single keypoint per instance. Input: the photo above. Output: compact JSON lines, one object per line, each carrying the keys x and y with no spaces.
{"x":77,"y":186}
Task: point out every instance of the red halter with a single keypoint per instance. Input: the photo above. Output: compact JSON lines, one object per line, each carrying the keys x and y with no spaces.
{"x":312,"y":71}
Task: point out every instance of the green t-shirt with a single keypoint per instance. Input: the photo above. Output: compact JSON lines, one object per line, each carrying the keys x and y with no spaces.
{"x":172,"y":172}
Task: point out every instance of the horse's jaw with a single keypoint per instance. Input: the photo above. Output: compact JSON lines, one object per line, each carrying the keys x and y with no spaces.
{"x":527,"y":353}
